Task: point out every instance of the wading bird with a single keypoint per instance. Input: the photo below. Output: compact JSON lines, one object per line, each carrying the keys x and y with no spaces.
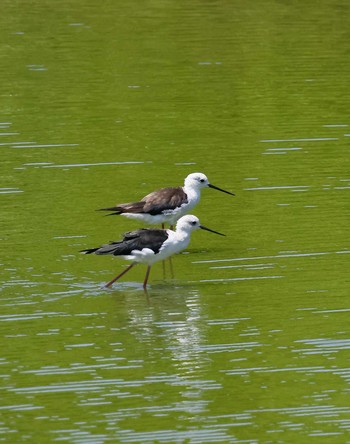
{"x":166,"y":205}
{"x":147,"y":246}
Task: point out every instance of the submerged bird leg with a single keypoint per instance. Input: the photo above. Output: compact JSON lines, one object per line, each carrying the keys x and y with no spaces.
{"x":171,"y":227}
{"x":171,"y":268}
{"x":163,"y":226}
{"x":120,"y":275}
{"x":146,"y":277}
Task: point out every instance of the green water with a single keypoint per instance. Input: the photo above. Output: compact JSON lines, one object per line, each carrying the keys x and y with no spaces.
{"x":104,"y":102}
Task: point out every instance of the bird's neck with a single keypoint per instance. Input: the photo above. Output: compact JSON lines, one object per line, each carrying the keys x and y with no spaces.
{"x":182,"y":235}
{"x":193,"y":194}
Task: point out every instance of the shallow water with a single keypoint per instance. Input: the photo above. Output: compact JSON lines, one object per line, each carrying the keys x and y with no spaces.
{"x":105,"y":103}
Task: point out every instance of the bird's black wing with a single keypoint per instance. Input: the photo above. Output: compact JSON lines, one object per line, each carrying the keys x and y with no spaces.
{"x":133,"y":240}
{"x":144,"y":238}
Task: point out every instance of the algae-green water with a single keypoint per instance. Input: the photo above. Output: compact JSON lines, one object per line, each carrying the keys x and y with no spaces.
{"x":104,"y":102}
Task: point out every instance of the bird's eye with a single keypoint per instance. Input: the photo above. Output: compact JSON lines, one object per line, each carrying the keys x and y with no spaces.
{"x":202,"y":180}
{"x":193,"y":222}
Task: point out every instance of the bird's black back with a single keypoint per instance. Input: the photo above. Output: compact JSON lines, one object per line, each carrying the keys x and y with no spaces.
{"x":133,"y":240}
{"x":164,"y":199}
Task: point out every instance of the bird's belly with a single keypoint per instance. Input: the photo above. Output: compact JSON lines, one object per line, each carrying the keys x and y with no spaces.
{"x":147,"y":218}
{"x":144,"y":256}
{"x":172,"y":247}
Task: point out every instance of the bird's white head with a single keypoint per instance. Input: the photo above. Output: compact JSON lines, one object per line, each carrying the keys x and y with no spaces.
{"x":190,"y":223}
{"x":197,"y":181}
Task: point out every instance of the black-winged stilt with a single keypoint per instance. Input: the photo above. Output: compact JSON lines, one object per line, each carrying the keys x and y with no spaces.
{"x":147,"y":246}
{"x":166,"y":205}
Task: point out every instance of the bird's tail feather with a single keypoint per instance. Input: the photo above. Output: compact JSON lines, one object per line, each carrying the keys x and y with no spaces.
{"x":132,"y":207}
{"x":116,"y":209}
{"x":88,"y":251}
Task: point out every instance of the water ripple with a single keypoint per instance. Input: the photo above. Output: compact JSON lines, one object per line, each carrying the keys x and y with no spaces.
{"x":282,"y":187}
{"x":310,"y":139}
{"x":193,"y":436}
{"x":321,"y":346}
{"x":10,"y":190}
{"x":253,"y":258}
{"x":240,"y":279}
{"x":79,"y":165}
{"x":52,"y":145}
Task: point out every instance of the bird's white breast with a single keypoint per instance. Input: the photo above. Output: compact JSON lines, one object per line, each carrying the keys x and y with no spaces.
{"x":175,"y":243}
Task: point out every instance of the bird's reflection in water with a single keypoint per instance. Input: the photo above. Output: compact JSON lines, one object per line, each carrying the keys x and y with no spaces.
{"x":171,"y":325}
{"x":166,"y":319}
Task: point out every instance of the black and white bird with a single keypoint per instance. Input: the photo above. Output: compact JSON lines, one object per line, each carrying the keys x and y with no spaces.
{"x":147,"y":246}
{"x":166,"y":205}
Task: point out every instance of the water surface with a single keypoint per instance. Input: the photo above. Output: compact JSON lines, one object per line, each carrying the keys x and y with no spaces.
{"x":105,"y":103}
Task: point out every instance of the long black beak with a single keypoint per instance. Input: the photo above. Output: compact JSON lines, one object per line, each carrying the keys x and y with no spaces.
{"x":212,"y":231}
{"x":219,"y":189}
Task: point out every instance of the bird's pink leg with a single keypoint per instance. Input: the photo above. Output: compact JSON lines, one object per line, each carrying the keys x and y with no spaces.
{"x":146,"y":278}
{"x":120,"y":275}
